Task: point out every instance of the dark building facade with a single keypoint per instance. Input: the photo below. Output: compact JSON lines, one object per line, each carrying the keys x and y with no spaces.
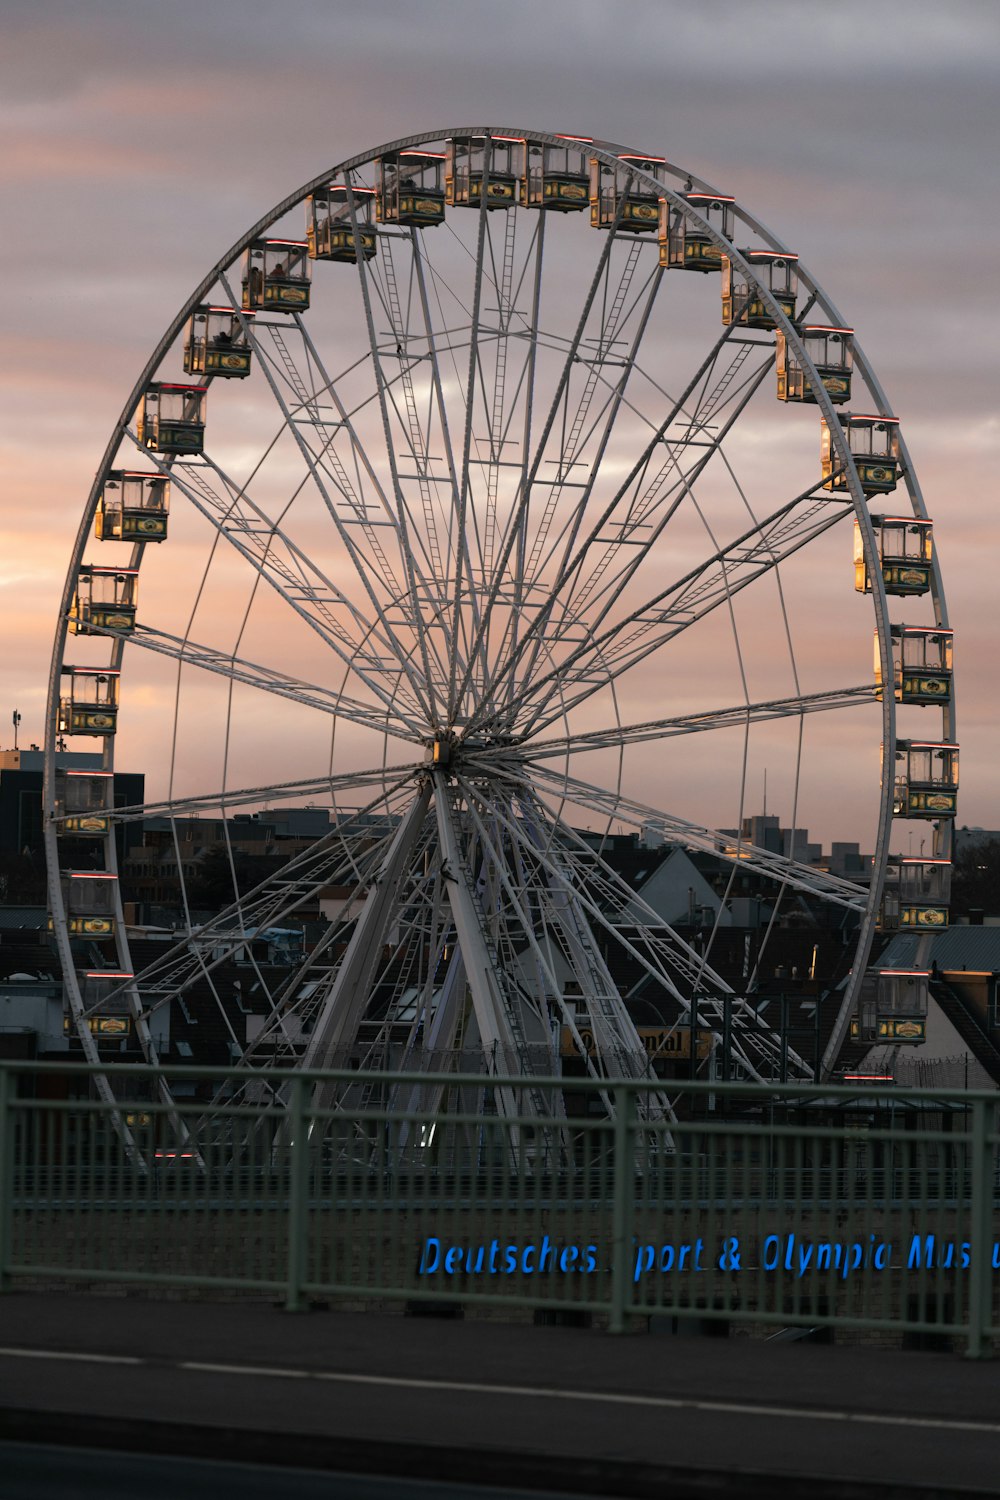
{"x":21,"y":799}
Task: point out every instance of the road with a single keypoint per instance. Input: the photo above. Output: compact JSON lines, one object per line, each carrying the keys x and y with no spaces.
{"x":568,"y":1410}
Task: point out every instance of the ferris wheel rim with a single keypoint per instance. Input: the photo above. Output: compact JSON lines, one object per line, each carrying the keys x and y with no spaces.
{"x":611,"y":154}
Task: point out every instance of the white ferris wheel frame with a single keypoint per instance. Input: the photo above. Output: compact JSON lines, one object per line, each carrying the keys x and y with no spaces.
{"x":409,"y":707}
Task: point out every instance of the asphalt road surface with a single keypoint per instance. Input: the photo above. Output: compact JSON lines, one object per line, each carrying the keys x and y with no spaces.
{"x":31,"y":1472}
{"x":478,"y":1403}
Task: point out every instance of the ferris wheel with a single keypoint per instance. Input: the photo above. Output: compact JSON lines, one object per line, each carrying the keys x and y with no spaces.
{"x":494,"y":496}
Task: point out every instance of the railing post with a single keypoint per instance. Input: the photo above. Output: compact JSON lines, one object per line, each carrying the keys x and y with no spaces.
{"x":6,"y":1175}
{"x":623,"y":1159}
{"x":980,"y":1233}
{"x":297,"y":1136}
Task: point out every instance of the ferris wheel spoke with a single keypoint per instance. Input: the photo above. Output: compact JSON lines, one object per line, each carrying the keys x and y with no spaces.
{"x":225,"y":797}
{"x":343,"y":495}
{"x":414,"y":615}
{"x":440,"y":405}
{"x":383,"y":943}
{"x":461,"y":664}
{"x":522,"y":505}
{"x":366,"y":571}
{"x":613,"y":404}
{"x":547,"y":910}
{"x":657,"y":497}
{"x":293,"y":576}
{"x":654,"y":503}
{"x":733,"y":850}
{"x":348,"y":853}
{"x":430,"y":565}
{"x":433,"y":686}
{"x":496,"y":998}
{"x":265,"y":679}
{"x":737,"y":716}
{"x":308,"y":412}
{"x":615,"y":401}
{"x":574,"y":420}
{"x":611,"y":900}
{"x":675,"y":609}
{"x":344,"y":1005}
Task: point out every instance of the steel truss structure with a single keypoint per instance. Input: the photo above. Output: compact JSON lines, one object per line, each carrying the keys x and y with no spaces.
{"x":495,"y":504}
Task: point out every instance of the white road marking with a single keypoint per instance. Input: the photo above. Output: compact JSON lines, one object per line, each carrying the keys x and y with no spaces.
{"x":536,"y":1392}
{"x":217,"y":1369}
{"x":92,"y":1359}
{"x":672,"y":1403}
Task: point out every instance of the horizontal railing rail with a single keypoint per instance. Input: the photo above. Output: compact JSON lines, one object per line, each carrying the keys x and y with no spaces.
{"x":869,"y":1208}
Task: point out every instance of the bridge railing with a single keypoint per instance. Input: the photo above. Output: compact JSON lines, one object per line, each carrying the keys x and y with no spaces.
{"x":764,"y":1208}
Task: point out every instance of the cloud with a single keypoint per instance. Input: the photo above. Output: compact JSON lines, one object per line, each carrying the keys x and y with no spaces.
{"x":140,"y":140}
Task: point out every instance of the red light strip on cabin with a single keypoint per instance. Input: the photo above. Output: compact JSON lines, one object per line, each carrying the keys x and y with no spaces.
{"x":231,"y":310}
{"x":920,"y":630}
{"x":868,"y":417}
{"x":296,"y":244}
{"x":92,"y":570}
{"x":436,"y":155}
{"x":926,"y":745}
{"x":869,"y":1078}
{"x":107,"y":974}
{"x":770,"y":255}
{"x":94,"y":672}
{"x":162,"y":385}
{"x":709,"y":198}
{"x":89,"y":875}
{"x":586,"y":140}
{"x":824,"y":328}
{"x":106,"y":774}
{"x":903,"y":973}
{"x":640,"y":156}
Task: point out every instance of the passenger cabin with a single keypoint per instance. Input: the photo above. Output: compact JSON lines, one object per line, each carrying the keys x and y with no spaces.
{"x":892,"y":1007}
{"x":89,"y":903}
{"x":104,"y":600}
{"x":102,"y":995}
{"x":133,"y":507}
{"x":685,"y":243}
{"x":771,"y":271}
{"x":88,"y":701}
{"x":916,"y":893}
{"x":470,"y":159}
{"x":217,"y":343}
{"x":621,"y":200}
{"x":409,"y":188}
{"x":926,"y":779}
{"x":172,"y":418}
{"x":83,"y":803}
{"x":330,"y":231}
{"x":276,"y":276}
{"x":831,"y":351}
{"x":874,"y":446}
{"x":905,"y":554}
{"x":556,"y":177}
{"x":922,"y":665}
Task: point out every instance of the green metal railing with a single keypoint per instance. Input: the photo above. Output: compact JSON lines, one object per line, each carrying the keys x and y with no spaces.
{"x":766,"y":1208}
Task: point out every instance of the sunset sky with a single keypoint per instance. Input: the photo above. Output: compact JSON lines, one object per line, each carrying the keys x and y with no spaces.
{"x":140,"y":140}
